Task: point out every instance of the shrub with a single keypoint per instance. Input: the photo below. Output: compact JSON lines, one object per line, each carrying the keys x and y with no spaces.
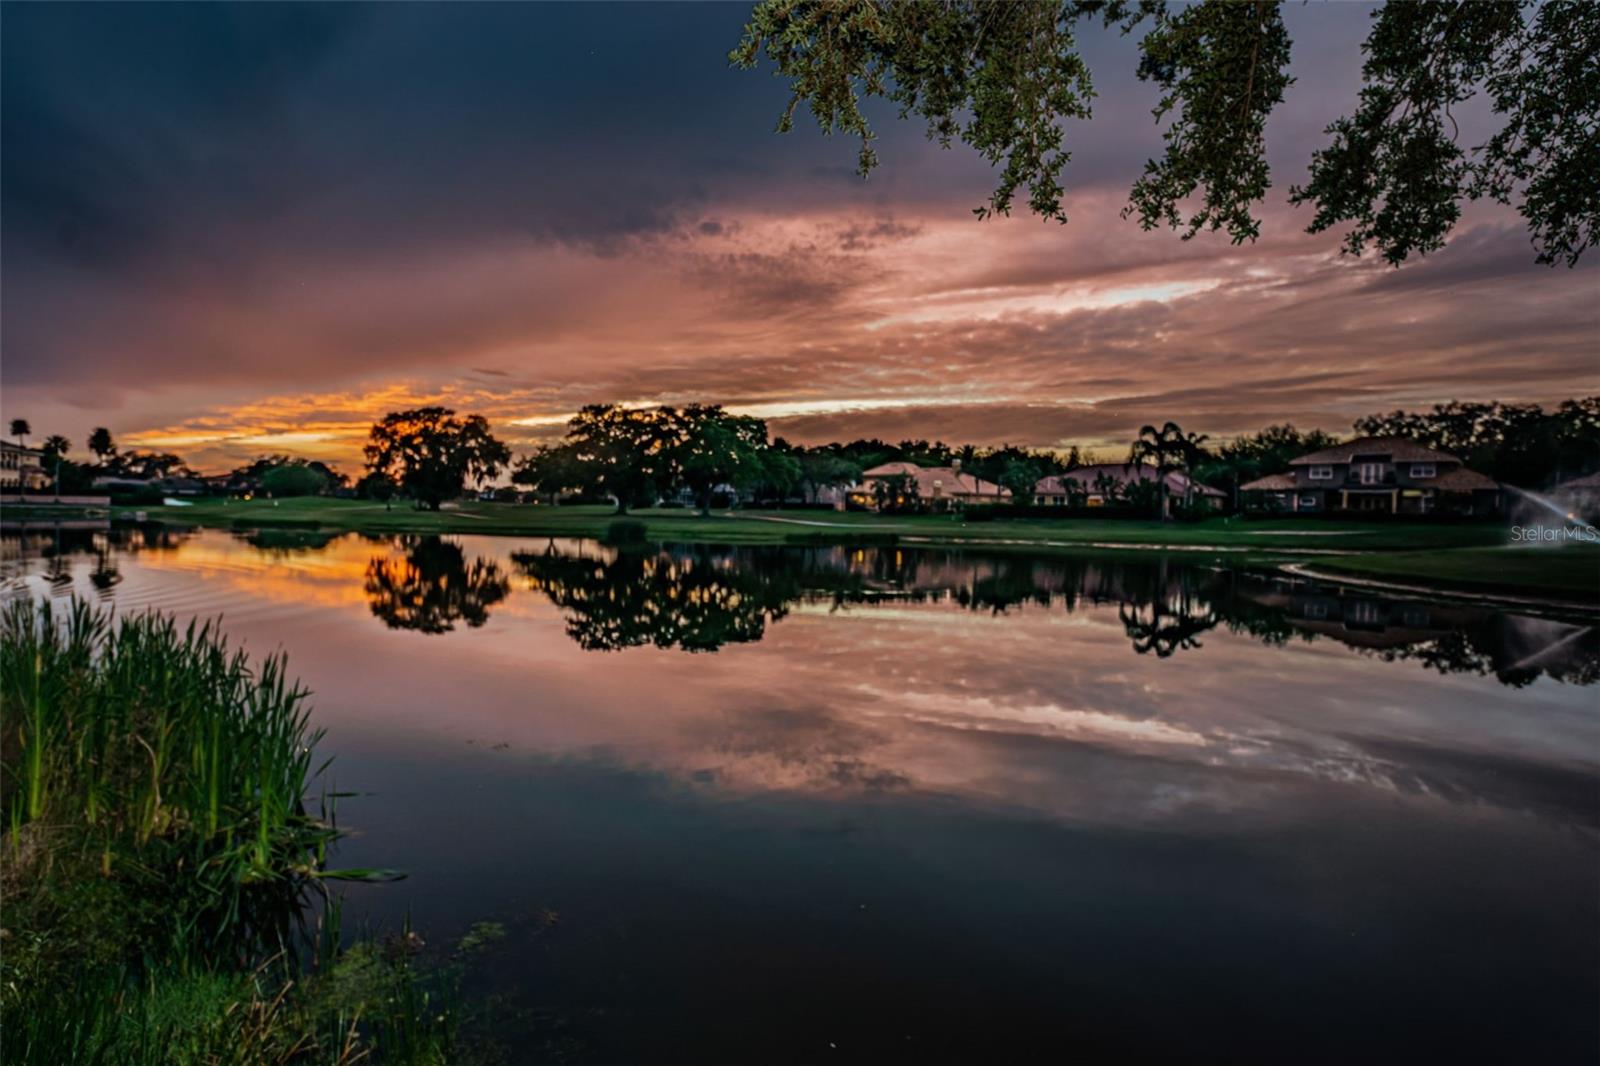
{"x":624,"y":532}
{"x":293,"y":479}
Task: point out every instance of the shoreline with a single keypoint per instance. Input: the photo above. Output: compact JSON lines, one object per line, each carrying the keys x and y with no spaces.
{"x":1469,"y":561}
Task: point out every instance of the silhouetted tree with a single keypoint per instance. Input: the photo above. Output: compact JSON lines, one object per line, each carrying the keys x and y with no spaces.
{"x":431,"y":453}
{"x":1004,"y":78}
{"x":20,"y":430}
{"x":1162,"y":449}
{"x":101,"y":444}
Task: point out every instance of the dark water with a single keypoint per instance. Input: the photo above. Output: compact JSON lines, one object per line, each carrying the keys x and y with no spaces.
{"x":814,"y":804}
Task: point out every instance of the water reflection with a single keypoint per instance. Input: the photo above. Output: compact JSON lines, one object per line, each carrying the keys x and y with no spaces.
{"x":701,"y":598}
{"x":431,"y":586}
{"x":57,"y":545}
{"x":1236,"y":802}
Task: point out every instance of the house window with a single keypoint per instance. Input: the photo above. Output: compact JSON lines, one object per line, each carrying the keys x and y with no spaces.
{"x":1423,"y":470}
{"x":1321,"y":473}
{"x":1370,"y":473}
{"x":1308,"y":501}
{"x":1365,"y":612}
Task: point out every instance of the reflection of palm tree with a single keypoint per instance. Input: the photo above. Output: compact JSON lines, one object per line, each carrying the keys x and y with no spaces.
{"x":695,"y":599}
{"x":432,"y":587}
{"x":1152,"y":627}
{"x":105,"y":575}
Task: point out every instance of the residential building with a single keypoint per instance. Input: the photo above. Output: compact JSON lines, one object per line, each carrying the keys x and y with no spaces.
{"x":1389,"y":475}
{"x":1581,"y":494}
{"x":1103,"y":484}
{"x":937,"y":488}
{"x":22,"y":469}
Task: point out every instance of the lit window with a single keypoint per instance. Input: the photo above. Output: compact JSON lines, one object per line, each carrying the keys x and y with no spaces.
{"x":1321,"y":473}
{"x":1308,"y":501}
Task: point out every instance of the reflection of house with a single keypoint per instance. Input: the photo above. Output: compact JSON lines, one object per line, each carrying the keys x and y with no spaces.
{"x":1109,"y":483}
{"x":933,"y":487}
{"x":1385,"y":474}
{"x":22,"y":469}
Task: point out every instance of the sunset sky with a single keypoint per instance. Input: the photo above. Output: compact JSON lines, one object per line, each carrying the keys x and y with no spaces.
{"x":238,"y":229}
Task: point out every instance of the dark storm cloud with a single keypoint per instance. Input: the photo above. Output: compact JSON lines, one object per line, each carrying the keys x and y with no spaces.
{"x":342,"y":206}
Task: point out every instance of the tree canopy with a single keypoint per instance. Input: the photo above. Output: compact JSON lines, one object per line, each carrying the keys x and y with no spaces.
{"x":431,"y":454}
{"x":1003,"y":78}
{"x":636,"y":455}
{"x":293,"y":479}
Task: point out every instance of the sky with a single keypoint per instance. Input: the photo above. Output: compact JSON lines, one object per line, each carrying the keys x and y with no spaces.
{"x":231,"y":230}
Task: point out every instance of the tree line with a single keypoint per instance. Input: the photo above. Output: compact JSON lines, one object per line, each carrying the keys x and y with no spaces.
{"x":638,"y":456}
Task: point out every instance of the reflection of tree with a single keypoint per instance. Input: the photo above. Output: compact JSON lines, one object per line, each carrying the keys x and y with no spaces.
{"x":432,"y":587}
{"x":691,"y":598}
{"x":105,"y":576}
{"x":285,"y":542}
{"x":1157,"y":627}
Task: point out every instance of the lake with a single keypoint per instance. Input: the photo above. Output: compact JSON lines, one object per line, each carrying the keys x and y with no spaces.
{"x":878,"y":804}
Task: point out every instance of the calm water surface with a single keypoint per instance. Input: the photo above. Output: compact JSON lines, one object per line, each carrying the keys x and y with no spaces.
{"x":822,"y":804}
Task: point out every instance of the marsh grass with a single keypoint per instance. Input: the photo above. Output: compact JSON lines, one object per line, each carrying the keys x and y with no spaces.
{"x":160,"y":857}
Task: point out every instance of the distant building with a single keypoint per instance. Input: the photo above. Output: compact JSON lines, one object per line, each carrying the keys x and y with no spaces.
{"x":1389,"y":475}
{"x":937,"y":488}
{"x":1101,"y":484}
{"x":1581,"y":494}
{"x":22,"y":469}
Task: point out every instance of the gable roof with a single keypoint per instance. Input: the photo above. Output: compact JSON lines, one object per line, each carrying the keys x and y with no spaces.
{"x":1587,"y":481}
{"x":934,"y":481}
{"x":1462,"y":480}
{"x":1270,"y":483}
{"x":1396,"y":448}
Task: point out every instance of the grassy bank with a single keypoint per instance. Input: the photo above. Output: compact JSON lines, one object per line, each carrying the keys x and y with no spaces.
{"x":1466,"y":556}
{"x":160,"y":857}
{"x":779,"y":527}
{"x":1570,"y":573}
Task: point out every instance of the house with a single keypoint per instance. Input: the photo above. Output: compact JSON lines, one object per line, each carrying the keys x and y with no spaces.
{"x":1101,"y":484}
{"x":1389,"y":475}
{"x":937,"y":488}
{"x":1580,"y":494}
{"x":22,"y":469}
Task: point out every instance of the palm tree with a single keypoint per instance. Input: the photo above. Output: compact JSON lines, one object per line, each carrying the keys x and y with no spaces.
{"x":20,"y":430}
{"x":1193,"y":447}
{"x":101,"y":444}
{"x":1163,"y":448}
{"x":56,"y":445}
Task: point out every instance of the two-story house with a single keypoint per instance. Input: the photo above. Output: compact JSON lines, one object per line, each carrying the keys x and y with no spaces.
{"x":1385,"y":474}
{"x":22,"y":469}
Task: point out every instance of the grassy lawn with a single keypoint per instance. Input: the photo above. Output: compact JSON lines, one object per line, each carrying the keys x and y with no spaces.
{"x":778,"y":527}
{"x":1567,"y":573}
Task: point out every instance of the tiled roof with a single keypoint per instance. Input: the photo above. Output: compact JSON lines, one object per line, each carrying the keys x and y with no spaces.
{"x":1085,"y":476}
{"x":1461,"y":480}
{"x":938,"y":480}
{"x":1396,"y":448}
{"x":1588,"y":481}
{"x":1270,"y":483}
